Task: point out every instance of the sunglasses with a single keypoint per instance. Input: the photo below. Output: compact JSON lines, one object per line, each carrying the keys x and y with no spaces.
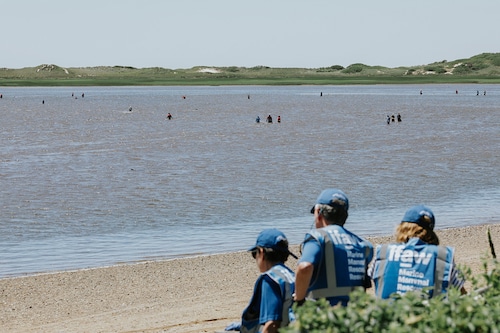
{"x":254,"y":253}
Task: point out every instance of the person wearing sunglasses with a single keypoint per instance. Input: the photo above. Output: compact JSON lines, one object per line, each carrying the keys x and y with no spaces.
{"x":270,"y":306}
{"x":333,"y":260}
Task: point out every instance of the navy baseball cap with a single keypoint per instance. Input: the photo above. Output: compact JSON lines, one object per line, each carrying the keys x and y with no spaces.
{"x":332,"y":197}
{"x":272,"y":239}
{"x":421,"y":215}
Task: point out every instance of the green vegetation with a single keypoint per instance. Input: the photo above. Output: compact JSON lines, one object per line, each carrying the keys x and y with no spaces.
{"x":478,"y":311}
{"x":483,"y":68}
{"x":413,"y":312}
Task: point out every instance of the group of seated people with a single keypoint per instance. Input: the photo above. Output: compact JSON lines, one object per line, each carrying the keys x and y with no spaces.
{"x":335,"y":261}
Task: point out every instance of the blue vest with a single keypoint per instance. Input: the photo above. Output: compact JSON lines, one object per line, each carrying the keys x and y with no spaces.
{"x":345,"y":258}
{"x":282,"y":280}
{"x":414,"y":265}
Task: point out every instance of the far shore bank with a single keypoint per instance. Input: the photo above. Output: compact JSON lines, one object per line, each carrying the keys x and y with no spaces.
{"x":291,"y":81}
{"x":481,"y":68}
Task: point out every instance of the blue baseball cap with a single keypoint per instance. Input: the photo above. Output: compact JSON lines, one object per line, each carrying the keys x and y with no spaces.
{"x":334,"y":198}
{"x":272,"y":239}
{"x":421,"y":215}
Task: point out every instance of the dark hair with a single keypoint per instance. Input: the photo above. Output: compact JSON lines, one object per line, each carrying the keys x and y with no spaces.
{"x":334,"y":215}
{"x":277,"y":255}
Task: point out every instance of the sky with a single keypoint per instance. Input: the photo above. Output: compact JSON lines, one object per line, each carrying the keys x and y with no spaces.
{"x":179,"y":34}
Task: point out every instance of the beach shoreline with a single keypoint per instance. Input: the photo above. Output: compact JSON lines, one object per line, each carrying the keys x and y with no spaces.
{"x":194,"y":294}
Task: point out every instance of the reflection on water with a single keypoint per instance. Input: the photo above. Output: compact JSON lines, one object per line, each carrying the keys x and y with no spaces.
{"x":86,"y":182}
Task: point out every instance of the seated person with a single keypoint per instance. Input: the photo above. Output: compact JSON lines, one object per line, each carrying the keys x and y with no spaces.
{"x":334,"y":260}
{"x":271,"y":304}
{"x":416,"y":261}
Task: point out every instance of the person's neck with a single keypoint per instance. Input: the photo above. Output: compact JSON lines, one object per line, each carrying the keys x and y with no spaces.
{"x":333,"y":223}
{"x":270,"y":264}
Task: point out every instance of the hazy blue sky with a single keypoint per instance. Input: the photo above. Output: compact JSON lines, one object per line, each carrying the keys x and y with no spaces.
{"x":276,"y":33}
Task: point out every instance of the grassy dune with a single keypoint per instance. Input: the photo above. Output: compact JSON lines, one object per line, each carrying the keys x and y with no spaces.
{"x":483,"y":68}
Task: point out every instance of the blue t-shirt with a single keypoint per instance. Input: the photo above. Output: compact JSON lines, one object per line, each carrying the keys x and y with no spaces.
{"x":311,"y":252}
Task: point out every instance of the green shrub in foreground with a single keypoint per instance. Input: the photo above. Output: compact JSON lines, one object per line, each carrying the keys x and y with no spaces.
{"x":478,"y":311}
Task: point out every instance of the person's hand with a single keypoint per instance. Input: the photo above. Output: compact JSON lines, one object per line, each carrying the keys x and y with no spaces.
{"x":300,"y":303}
{"x":236,"y":326}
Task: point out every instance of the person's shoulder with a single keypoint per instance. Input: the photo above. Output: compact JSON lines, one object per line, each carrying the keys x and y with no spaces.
{"x":314,"y":234}
{"x":415,"y":241}
{"x":282,"y":270}
{"x":360,"y":238}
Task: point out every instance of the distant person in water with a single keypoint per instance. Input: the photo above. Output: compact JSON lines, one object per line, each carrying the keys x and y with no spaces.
{"x":269,"y":119}
{"x":279,"y":119}
{"x":257,"y":120}
{"x":130,"y":109}
{"x":393,"y":118}
{"x":388,"y":120}
{"x":169,"y":116}
{"x":399,"y":118}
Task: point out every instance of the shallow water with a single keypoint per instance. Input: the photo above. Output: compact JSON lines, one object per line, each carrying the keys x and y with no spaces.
{"x":86,"y":183}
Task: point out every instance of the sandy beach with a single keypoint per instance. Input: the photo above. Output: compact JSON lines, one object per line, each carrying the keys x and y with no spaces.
{"x":198,"y":294}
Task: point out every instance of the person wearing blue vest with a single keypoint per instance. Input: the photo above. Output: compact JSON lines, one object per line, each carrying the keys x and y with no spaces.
{"x":271,"y":304}
{"x":416,"y":261}
{"x":334,"y":260}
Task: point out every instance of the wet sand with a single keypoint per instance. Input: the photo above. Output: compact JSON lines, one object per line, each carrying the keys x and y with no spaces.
{"x":198,"y":294}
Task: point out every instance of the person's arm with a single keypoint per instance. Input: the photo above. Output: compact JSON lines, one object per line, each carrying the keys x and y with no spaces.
{"x":303,"y":277}
{"x":271,"y":326}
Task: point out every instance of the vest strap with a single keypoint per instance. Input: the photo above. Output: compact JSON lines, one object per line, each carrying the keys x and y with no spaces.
{"x":381,"y":268}
{"x":439,"y":270}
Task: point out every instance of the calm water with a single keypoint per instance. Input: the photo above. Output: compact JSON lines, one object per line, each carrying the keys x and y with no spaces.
{"x":86,"y":183}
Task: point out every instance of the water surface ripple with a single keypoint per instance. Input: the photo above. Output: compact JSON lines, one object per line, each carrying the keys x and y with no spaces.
{"x":87,"y":183}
